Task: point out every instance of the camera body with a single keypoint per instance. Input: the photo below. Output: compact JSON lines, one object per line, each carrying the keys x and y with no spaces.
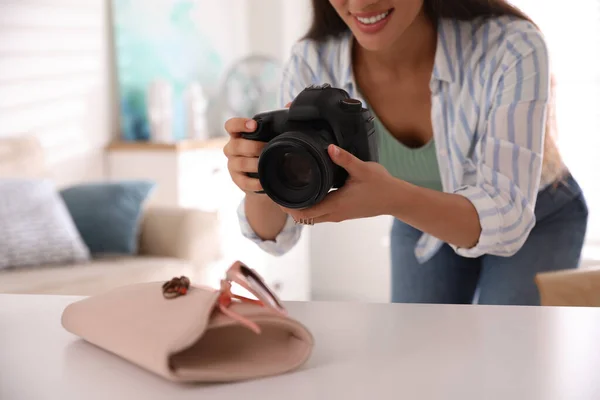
{"x":294,"y":167}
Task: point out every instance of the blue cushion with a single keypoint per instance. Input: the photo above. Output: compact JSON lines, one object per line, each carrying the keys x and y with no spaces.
{"x":107,"y":214}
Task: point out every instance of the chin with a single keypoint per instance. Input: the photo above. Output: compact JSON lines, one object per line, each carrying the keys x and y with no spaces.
{"x":374,"y":44}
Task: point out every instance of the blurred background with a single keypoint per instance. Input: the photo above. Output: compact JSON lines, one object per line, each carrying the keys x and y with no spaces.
{"x":100,"y":91}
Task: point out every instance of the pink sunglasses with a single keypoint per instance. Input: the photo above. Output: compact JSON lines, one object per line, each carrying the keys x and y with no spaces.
{"x":251,"y":281}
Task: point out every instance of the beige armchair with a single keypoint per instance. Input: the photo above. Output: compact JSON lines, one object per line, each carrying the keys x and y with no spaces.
{"x":570,"y":288}
{"x":173,"y":242}
{"x":179,"y":233}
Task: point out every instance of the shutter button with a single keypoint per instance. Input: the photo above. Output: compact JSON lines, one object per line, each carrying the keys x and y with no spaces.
{"x":351,"y":104}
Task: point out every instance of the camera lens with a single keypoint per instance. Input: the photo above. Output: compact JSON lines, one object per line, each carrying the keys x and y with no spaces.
{"x":295,"y":170}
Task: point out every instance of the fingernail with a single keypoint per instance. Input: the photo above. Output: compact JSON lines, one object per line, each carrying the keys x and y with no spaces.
{"x":251,"y":124}
{"x":336,"y":151}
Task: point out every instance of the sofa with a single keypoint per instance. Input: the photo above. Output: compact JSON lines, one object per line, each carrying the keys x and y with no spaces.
{"x":171,"y":242}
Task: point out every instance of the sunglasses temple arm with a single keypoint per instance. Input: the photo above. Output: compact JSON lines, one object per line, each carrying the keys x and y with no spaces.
{"x":260,"y":302}
{"x":249,"y":324}
{"x":247,"y":300}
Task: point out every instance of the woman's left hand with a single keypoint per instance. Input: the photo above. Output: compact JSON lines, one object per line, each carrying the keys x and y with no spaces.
{"x":363,"y":195}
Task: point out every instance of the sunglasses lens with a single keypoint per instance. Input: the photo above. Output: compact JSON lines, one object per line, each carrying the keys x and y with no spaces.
{"x":257,"y":284}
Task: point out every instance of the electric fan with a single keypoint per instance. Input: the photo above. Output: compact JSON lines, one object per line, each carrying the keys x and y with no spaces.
{"x":251,"y":85}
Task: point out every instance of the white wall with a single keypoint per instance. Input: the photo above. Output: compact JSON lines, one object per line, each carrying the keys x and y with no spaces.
{"x":55,"y":82}
{"x":274,"y":25}
{"x":265,"y":25}
{"x":296,"y":17}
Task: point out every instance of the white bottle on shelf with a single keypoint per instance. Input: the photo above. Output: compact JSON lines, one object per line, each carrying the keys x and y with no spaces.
{"x":196,"y":112}
{"x":160,"y":111}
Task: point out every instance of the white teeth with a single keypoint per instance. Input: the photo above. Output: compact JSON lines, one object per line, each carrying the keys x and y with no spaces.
{"x":372,"y":20}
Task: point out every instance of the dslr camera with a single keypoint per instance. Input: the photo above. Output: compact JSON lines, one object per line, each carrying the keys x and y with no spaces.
{"x":294,"y":168}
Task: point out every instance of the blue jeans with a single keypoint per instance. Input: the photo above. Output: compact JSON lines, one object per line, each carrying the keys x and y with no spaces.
{"x":555,"y":243}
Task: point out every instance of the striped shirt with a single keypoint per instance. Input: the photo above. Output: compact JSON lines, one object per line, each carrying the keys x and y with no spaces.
{"x":490,"y":88}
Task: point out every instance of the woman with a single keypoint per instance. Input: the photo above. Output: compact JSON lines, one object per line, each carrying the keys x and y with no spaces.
{"x":468,"y":164}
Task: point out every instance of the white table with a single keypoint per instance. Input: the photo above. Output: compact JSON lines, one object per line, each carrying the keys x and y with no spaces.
{"x":364,"y":351}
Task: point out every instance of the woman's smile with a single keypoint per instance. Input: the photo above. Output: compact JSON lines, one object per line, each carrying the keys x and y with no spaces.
{"x":372,"y":22}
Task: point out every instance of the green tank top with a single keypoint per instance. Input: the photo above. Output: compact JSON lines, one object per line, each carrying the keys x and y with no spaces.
{"x":418,"y":166}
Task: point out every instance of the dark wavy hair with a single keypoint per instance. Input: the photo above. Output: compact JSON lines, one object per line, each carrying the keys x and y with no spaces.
{"x":327,"y":23}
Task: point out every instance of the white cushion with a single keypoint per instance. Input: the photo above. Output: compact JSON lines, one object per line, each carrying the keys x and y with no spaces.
{"x":35,"y":226}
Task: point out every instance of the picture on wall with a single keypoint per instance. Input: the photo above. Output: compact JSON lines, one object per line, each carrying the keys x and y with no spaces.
{"x":165,"y":64}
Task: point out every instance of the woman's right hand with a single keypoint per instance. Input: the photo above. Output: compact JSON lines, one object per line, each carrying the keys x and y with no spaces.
{"x":242,"y":154}
{"x":265,"y":217}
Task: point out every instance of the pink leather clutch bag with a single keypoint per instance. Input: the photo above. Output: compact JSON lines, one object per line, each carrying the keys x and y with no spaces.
{"x":189,"y":338}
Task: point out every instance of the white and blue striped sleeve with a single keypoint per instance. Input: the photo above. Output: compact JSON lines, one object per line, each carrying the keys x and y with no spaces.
{"x":511,"y":148}
{"x":284,"y":242}
{"x":297,"y":75}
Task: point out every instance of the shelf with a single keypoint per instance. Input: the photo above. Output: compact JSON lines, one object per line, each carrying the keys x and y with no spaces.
{"x":181,"y":145}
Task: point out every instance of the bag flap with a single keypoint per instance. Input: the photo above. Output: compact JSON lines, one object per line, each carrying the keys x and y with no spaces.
{"x":137,"y":323}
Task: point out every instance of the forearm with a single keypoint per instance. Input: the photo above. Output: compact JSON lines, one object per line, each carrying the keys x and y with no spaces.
{"x":451,"y":218}
{"x":265,"y":217}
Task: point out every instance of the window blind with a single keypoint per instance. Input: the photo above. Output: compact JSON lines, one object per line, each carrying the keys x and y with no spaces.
{"x":54,"y":81}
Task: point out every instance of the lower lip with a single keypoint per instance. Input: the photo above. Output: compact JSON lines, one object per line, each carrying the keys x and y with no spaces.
{"x":373,"y":28}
